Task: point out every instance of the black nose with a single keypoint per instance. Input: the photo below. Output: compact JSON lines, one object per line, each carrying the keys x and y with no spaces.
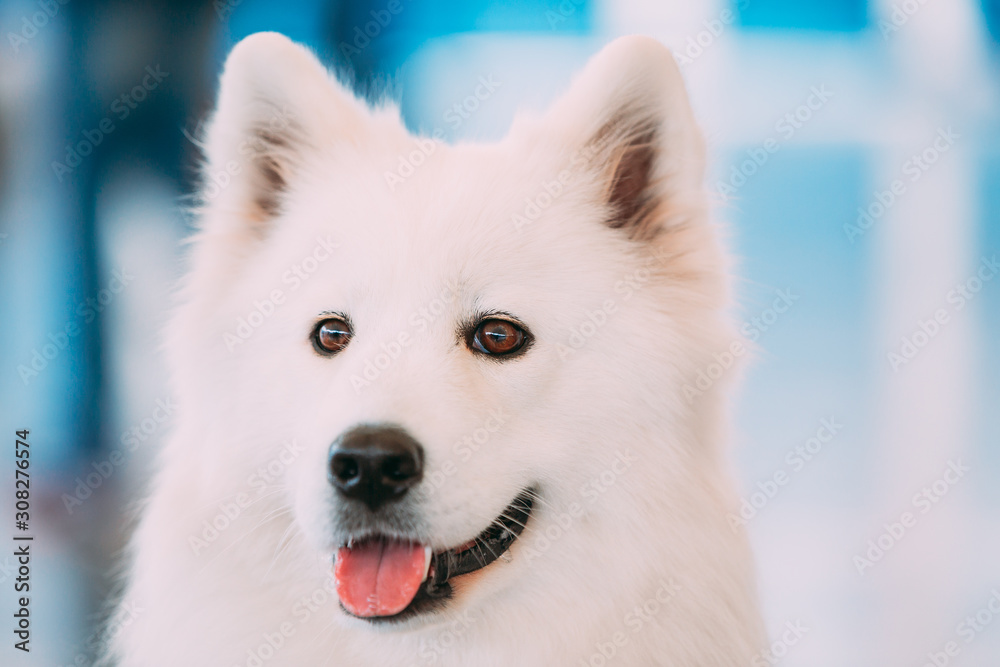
{"x":375,"y":464}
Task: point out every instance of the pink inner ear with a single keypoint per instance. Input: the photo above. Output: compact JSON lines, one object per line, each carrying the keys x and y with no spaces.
{"x":629,"y":194}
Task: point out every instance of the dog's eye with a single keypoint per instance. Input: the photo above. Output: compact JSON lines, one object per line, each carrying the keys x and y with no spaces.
{"x":498,"y":337}
{"x":331,"y":335}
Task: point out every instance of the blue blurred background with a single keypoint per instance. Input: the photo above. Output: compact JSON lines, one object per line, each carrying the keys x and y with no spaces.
{"x":855,"y":164}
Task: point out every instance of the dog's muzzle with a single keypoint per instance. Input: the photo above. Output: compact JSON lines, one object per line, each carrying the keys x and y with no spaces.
{"x":381,"y":577}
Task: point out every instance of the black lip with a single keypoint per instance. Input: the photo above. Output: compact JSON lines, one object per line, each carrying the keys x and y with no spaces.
{"x":445,"y":565}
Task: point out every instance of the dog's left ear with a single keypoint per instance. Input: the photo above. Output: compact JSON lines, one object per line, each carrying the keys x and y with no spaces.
{"x":277,"y":108}
{"x":629,"y":123}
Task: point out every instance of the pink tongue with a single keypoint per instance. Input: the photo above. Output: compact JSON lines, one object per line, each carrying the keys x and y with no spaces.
{"x":379,"y":577}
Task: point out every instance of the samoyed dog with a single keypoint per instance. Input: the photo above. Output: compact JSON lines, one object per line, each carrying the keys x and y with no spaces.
{"x":446,"y":404}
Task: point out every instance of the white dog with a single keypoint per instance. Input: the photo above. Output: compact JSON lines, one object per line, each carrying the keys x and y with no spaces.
{"x":448,"y":414}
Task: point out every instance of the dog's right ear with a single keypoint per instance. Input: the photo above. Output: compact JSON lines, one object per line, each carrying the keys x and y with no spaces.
{"x":626,"y":117}
{"x":277,"y":108}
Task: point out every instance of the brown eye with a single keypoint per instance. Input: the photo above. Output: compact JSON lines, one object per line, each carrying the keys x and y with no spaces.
{"x":331,"y":335}
{"x":498,"y":337}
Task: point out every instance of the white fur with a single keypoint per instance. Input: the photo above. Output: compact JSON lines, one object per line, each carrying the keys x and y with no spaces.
{"x":588,"y":557}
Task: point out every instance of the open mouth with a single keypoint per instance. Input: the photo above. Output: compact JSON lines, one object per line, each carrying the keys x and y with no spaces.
{"x":382,"y":578}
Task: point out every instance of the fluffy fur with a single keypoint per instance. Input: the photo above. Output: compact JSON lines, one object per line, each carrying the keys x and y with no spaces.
{"x":620,"y":278}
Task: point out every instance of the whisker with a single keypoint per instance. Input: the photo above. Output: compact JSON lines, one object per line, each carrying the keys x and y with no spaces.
{"x":283,"y":543}
{"x":509,"y":518}
{"x":233,"y":496}
{"x":482,"y":558}
{"x":273,"y":515}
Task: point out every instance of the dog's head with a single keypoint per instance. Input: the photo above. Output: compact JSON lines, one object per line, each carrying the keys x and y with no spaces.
{"x":430,"y":353}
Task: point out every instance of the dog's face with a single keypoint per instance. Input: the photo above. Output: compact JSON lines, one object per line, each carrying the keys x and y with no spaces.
{"x":454,"y":338}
